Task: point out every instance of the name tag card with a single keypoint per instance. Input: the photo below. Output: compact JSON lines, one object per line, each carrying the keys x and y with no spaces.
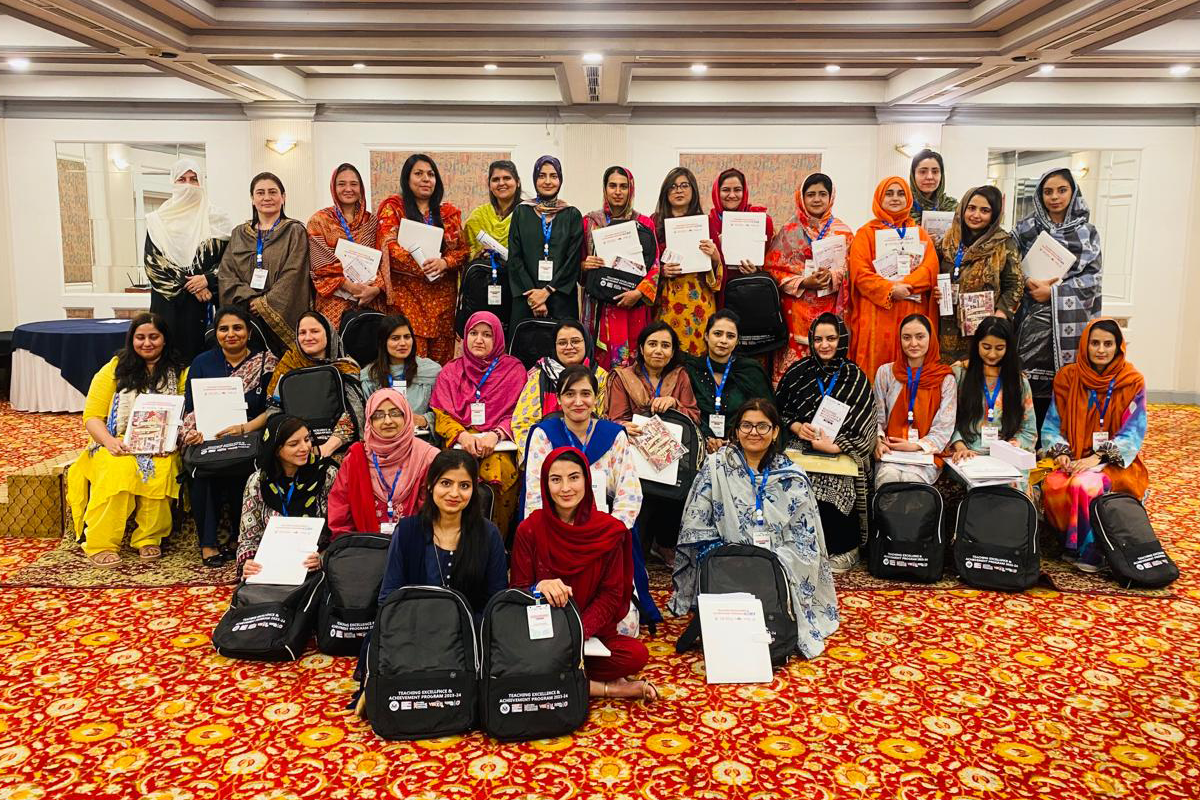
{"x":541,"y":625}
{"x":258,"y":280}
{"x":494,"y":296}
{"x":478,"y":414}
{"x":716,"y":423}
{"x":545,"y":270}
{"x":991,"y":434}
{"x":1099,"y":438}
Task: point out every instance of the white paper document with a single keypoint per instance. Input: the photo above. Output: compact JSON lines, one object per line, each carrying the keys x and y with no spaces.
{"x":830,"y":254}
{"x":1047,"y":259}
{"x":744,"y":237}
{"x":417,"y":237}
{"x":1021,"y":459}
{"x":489,"y":243}
{"x":684,"y":235}
{"x":737,"y":644}
{"x":360,"y":263}
{"x":936,"y":223}
{"x":595,"y":647}
{"x":219,"y":404}
{"x":946,"y":303}
{"x":646,"y":470}
{"x":153,"y":425}
{"x":619,"y":240}
{"x":841,"y":464}
{"x":985,"y":471}
{"x":910,"y":458}
{"x":285,"y":544}
{"x":831,"y":413}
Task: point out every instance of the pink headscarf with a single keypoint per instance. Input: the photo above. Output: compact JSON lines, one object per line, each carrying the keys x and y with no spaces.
{"x":454,"y":389}
{"x":404,"y":452}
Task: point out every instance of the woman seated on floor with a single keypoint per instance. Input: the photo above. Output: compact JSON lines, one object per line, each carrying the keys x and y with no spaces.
{"x":572,"y":345}
{"x":292,"y":480}
{"x":827,"y":371}
{"x":109,"y":481}
{"x":397,"y":365}
{"x":382,"y":477}
{"x":231,"y":358}
{"x":569,"y":550}
{"x":1094,"y":431}
{"x":749,"y":492}
{"x":473,"y":401}
{"x":915,"y":404}
{"x":994,"y":398}
{"x":722,"y":381}
{"x":318,"y":345}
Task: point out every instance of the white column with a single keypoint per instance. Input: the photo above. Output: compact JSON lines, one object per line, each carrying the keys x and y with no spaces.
{"x":588,"y":150}
{"x":295,"y":167}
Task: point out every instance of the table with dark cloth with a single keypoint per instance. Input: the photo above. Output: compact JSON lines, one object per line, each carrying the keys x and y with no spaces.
{"x":73,"y":348}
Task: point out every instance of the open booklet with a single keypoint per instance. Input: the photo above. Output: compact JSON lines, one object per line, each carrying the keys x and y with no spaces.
{"x":153,"y":426}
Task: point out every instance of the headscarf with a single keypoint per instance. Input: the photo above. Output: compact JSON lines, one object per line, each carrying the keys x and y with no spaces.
{"x":977,"y":244}
{"x":454,"y":389}
{"x":929,"y":387}
{"x":186,"y":219}
{"x":327,"y":226}
{"x":1073,"y":388}
{"x":717,"y":212}
{"x":899,"y":218}
{"x":550,"y":368}
{"x":403,"y":452}
{"x":921,"y":202}
{"x":547,"y":207}
{"x":295,"y":358}
{"x":788,"y":252}
{"x":571,"y":548}
{"x":309,"y":479}
{"x":606,"y":215}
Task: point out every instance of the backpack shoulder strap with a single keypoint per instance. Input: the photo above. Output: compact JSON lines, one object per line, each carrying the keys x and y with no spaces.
{"x":690,"y":636}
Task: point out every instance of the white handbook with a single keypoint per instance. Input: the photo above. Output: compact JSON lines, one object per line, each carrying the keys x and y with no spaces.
{"x":737,"y":644}
{"x":285,"y":544}
{"x":744,"y":237}
{"x":619,"y":240}
{"x":220,"y":403}
{"x":684,"y":235}
{"x":1047,"y":259}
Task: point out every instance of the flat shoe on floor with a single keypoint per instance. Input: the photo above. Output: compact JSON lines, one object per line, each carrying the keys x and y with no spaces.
{"x":214,"y":561}
{"x":150,"y":552}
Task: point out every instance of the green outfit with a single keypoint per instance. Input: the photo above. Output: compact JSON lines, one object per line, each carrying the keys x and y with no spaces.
{"x":746,"y":381}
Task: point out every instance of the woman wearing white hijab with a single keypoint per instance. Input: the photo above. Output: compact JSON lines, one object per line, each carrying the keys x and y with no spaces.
{"x":185,"y":239}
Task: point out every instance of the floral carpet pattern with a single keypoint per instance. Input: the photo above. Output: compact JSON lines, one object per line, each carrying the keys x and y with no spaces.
{"x":32,"y":438}
{"x":957,"y":694}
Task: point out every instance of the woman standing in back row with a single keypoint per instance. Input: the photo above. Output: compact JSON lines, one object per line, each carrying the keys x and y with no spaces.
{"x":348,"y":218}
{"x":927,"y":179}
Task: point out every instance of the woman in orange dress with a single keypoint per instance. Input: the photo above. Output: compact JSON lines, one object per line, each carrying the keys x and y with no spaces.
{"x":348,"y":218}
{"x":425,"y":292}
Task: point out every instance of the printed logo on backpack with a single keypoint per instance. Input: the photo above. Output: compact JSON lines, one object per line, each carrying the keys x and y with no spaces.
{"x":905,"y":541}
{"x":1127,"y":539}
{"x":354,"y":565}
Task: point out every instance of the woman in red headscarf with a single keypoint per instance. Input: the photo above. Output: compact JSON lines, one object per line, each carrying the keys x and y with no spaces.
{"x":348,"y":218}
{"x":889,"y":284}
{"x":730,"y":192}
{"x":567,"y":550}
{"x":381,"y":477}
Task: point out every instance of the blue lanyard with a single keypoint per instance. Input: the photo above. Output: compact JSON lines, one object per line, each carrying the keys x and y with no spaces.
{"x":495,"y":268}
{"x":821,"y":233}
{"x":958,"y":257}
{"x":896,"y":228}
{"x":760,"y":490}
{"x":392,"y":381}
{"x":825,"y":391}
{"x":383,"y":481}
{"x":657,"y":391}
{"x":547,"y":225}
{"x":990,"y":395}
{"x":429,"y":217}
{"x":258,"y":249}
{"x":913,"y":382}
{"x":1094,"y":400}
{"x":724,"y":378}
{"x":587,"y":437}
{"x":344,"y":224}
{"x":483,"y":380}
{"x":288,"y":500}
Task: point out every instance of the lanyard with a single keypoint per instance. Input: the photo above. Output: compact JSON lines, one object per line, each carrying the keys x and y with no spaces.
{"x":383,"y":482}
{"x":896,"y":228}
{"x":1094,"y":400}
{"x":825,"y":390}
{"x":990,"y":395}
{"x":547,"y":225}
{"x":483,"y":380}
{"x":913,"y":382}
{"x":288,"y":500}
{"x":258,"y":248}
{"x":658,"y":390}
{"x":724,"y":378}
{"x":760,"y":490}
{"x":958,"y":257}
{"x":821,"y":233}
{"x":345,"y":225}
{"x":495,"y":268}
{"x":587,"y":437}
{"x":429,"y":217}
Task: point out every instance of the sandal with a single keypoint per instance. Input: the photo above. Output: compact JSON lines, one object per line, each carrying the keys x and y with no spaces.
{"x":105,"y":558}
{"x":149,"y":552}
{"x":649,"y":692}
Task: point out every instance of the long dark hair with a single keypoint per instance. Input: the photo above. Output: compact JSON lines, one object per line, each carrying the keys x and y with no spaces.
{"x":410,"y":200}
{"x":467,"y":574}
{"x":280,"y":432}
{"x":511,"y":168}
{"x":971,"y":407}
{"x":131,"y":372}
{"x":267,"y":176}
{"x":663,"y":210}
{"x":381,"y":367}
{"x":768,"y":410}
{"x":647,"y":332}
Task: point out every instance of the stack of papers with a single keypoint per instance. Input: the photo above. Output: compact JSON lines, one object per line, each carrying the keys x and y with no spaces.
{"x":619,"y":241}
{"x":895,"y":257}
{"x":1010,"y":454}
{"x":285,"y":544}
{"x":684,"y":235}
{"x":1047,"y":259}
{"x":985,"y":471}
{"x":219,"y":403}
{"x":737,"y":644}
{"x":912,"y":459}
{"x":153,"y":425}
{"x":360,"y":264}
{"x":744,"y":237}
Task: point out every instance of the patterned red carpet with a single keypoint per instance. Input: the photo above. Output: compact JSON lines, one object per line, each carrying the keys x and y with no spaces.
{"x":954,"y":694}
{"x":31,"y":438}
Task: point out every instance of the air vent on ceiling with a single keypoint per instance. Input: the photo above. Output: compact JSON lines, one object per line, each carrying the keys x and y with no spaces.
{"x":592,"y":73}
{"x":89,"y":24}
{"x":1109,"y":25}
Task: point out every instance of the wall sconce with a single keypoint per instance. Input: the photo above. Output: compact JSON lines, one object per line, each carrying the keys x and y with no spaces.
{"x":281,"y":146}
{"x":119,"y":163}
{"x":910,"y":149}
{"x":1082,"y":170}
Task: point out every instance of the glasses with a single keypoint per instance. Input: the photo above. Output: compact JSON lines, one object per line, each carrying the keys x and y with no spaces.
{"x":569,"y":342}
{"x":380,"y":416}
{"x":679,"y":187}
{"x":761,"y":428}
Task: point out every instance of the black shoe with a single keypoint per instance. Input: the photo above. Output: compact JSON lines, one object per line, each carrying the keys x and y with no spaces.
{"x":214,"y":561}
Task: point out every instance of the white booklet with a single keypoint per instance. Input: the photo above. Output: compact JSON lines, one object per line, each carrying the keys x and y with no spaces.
{"x":360,"y":264}
{"x":831,"y":413}
{"x":684,"y":235}
{"x":984,"y":470}
{"x":744,"y":237}
{"x":219,"y":404}
{"x":645,"y":470}
{"x":153,"y":425}
{"x":1017,"y":457}
{"x":618,"y":241}
{"x":285,"y":544}
{"x":489,"y":243}
{"x":1047,"y":259}
{"x":936,"y":223}
{"x":737,"y":644}
{"x":422,"y":241}
{"x":910,"y":458}
{"x":946,"y":302}
{"x":828,"y":253}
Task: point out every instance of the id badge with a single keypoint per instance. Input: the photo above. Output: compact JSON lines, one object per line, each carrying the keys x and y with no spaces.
{"x":913,"y":436}
{"x":541,"y":625}
{"x":903,"y":264}
{"x":761,"y":539}
{"x":991,"y":434}
{"x":401,"y":386}
{"x":716,"y":423}
{"x":478,"y":414}
{"x":545,"y":270}
{"x":258,"y":281}
{"x":493,"y":296}
{"x":387,"y":528}
{"x":1099,"y":438}
{"x":600,"y":489}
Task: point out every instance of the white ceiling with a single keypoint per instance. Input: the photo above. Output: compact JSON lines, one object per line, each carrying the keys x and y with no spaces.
{"x":924,"y":59}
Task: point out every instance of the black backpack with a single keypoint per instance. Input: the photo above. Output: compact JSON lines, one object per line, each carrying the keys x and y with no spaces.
{"x":354,"y":565}
{"x":746,"y":568}
{"x":487,"y":270}
{"x":532,"y":338}
{"x":269,"y":622}
{"x":318,"y":395}
{"x":1125,"y":536}
{"x":995,"y":539}
{"x":531,"y":688}
{"x":422,"y":665}
{"x":905,"y":541}
{"x":689,"y":463}
{"x":359,"y":330}
{"x":755,"y":299}
{"x":605,"y":283}
{"x":228,"y":457}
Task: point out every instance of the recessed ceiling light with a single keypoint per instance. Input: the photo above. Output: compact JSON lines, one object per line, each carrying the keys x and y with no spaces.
{"x":277,"y":56}
{"x":699,"y":69}
{"x":491,"y":67}
{"x":1177,"y":70}
{"x":1046,"y":69}
{"x":593,"y":58}
{"x":360,"y":65}
{"x":832,"y":68}
{"x":19,"y":64}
